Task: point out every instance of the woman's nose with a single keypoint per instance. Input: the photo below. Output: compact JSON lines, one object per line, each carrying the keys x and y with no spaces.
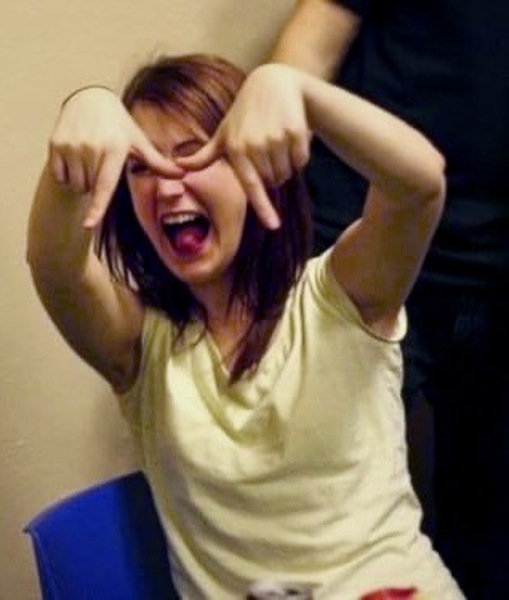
{"x":169,"y":187}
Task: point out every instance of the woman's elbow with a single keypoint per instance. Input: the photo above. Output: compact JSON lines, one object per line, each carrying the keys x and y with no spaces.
{"x":434,"y":185}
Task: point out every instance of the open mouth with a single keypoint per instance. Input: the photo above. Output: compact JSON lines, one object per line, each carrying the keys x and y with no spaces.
{"x":186,"y":232}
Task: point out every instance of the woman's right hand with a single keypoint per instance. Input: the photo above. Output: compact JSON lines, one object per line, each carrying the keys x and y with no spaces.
{"x":92,"y":139}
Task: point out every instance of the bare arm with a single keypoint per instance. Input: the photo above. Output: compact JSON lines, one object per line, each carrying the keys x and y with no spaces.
{"x":100,"y":319}
{"x":317,"y":37}
{"x":378,"y":258}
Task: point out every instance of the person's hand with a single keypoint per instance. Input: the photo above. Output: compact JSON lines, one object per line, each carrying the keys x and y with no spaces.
{"x":92,"y":139}
{"x":264,"y":136}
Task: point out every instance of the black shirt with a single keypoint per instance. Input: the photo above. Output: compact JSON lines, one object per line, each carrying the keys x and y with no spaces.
{"x":443,"y":66}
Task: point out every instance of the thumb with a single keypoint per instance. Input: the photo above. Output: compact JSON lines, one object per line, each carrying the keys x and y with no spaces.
{"x":201,"y":159}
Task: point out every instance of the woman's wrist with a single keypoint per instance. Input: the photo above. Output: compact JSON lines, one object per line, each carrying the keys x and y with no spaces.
{"x":82,"y":89}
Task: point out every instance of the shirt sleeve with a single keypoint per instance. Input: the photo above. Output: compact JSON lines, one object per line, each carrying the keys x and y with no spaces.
{"x":156,"y":343}
{"x":332,"y":297}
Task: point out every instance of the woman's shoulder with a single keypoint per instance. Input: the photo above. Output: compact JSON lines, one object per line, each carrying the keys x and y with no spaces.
{"x":320,"y":285}
{"x":319,"y":290}
{"x":157,"y":342}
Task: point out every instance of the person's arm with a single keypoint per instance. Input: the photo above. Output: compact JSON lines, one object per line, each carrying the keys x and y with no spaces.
{"x":100,"y":319}
{"x":378,"y":258}
{"x":317,"y":37}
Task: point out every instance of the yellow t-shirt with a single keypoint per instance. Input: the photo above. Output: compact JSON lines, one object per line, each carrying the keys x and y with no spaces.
{"x":297,"y":472}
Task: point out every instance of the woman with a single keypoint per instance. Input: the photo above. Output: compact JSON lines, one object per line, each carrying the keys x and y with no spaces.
{"x":262,"y":388}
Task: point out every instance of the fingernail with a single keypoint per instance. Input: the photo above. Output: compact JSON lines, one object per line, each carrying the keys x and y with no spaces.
{"x":90,"y":222}
{"x":274,"y":223}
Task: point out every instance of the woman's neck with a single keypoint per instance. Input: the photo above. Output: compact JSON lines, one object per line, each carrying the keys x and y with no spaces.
{"x":227,"y":320}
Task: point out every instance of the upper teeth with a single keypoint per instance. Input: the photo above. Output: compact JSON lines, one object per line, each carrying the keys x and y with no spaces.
{"x":179,"y":219}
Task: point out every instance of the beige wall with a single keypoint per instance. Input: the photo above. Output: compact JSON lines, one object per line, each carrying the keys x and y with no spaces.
{"x":59,"y":428}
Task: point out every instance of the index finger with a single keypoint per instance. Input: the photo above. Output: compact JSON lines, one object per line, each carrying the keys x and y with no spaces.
{"x":201,"y":159}
{"x":157,"y":162}
{"x":256,"y":192}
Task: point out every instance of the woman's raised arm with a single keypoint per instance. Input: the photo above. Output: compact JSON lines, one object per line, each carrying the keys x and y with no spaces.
{"x":266,"y":137}
{"x":100,"y":319}
{"x":378,"y":257}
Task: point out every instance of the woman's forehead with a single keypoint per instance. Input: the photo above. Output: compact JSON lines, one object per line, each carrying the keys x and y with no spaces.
{"x":166,"y":127}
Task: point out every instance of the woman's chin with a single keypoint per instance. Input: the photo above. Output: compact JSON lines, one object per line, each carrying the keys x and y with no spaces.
{"x":198,"y":274}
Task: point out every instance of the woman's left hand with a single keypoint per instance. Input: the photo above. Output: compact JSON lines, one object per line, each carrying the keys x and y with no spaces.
{"x":264,"y":136}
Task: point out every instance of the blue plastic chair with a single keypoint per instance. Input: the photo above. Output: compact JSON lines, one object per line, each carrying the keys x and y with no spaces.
{"x":103,"y":543}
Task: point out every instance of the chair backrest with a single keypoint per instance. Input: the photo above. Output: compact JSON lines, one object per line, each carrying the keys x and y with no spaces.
{"x":103,"y":543}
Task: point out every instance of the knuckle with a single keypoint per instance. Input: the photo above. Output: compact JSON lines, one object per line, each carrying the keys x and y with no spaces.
{"x":236,"y":149}
{"x":86,"y":149}
{"x":57,"y":145}
{"x":115,"y":146}
{"x":53,"y":145}
{"x":278,"y":138}
{"x":301,"y":155}
{"x":297,"y":132}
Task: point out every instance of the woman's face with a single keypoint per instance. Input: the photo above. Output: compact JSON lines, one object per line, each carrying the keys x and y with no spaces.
{"x":194,"y":222}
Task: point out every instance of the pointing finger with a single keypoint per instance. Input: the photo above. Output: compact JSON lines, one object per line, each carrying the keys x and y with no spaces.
{"x":201,"y":159}
{"x":256,"y":192}
{"x":157,"y":162}
{"x":108,"y":174}
{"x":261,"y":161}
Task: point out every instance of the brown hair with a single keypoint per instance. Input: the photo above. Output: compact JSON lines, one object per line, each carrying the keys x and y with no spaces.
{"x":200,"y":89}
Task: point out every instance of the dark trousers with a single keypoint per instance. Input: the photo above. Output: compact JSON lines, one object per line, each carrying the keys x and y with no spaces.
{"x":456,"y":357}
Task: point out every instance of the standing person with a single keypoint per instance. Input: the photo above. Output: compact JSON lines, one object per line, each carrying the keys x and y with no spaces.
{"x":262,"y":389}
{"x":442,"y":66}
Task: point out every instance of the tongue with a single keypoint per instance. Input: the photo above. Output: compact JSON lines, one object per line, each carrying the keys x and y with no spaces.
{"x":187,"y":240}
